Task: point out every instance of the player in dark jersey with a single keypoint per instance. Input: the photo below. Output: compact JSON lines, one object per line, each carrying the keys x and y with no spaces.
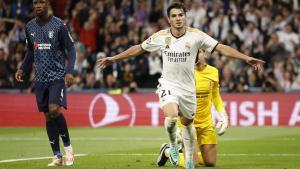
{"x":48,"y":45}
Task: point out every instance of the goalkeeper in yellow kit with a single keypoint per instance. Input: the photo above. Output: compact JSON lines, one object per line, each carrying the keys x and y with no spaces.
{"x":208,"y":94}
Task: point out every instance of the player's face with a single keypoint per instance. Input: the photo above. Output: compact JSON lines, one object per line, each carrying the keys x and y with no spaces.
{"x":177,"y":18}
{"x":40,"y":7}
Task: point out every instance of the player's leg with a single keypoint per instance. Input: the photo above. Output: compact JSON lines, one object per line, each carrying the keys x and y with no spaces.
{"x":57,"y":99}
{"x":189,"y":136}
{"x":169,"y":104}
{"x":197,"y":157}
{"x":187,"y":106}
{"x":53,"y":135}
{"x":60,"y":121}
{"x":170,"y":111}
{"x":209,"y":156}
{"x":42,"y":98}
{"x":207,"y":141}
{"x":164,"y":152}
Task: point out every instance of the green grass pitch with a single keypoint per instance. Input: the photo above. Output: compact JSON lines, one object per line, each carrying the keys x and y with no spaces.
{"x":137,"y":148}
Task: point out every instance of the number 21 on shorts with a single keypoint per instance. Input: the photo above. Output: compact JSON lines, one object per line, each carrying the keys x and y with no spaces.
{"x":164,"y":93}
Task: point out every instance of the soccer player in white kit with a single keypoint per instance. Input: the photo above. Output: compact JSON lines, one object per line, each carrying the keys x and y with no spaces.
{"x":179,"y":45}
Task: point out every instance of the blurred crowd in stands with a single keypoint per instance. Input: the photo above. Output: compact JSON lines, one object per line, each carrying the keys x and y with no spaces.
{"x":265,"y":29}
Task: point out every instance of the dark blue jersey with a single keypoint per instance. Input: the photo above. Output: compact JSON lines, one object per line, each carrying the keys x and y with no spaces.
{"x":48,"y":45}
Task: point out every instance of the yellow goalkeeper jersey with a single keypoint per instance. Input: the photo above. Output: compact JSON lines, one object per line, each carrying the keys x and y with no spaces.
{"x":207,"y":93}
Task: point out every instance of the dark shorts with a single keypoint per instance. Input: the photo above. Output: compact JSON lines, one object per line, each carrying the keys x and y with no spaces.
{"x":50,"y":93}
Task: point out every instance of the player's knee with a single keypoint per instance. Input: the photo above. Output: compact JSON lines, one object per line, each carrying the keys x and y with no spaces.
{"x":47,"y":116}
{"x":54,"y":112}
{"x":170,"y":110}
{"x":170,"y":114}
{"x":186,"y":121}
{"x":210,"y":163}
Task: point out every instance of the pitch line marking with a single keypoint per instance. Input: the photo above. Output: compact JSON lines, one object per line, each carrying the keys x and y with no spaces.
{"x":223,"y":155}
{"x":34,"y":158}
{"x":128,"y":139}
{"x":84,"y":139}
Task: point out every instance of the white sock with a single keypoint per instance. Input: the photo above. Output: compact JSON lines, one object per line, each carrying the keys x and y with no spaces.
{"x":189,"y":136}
{"x":171,"y":127}
{"x":70,"y":148}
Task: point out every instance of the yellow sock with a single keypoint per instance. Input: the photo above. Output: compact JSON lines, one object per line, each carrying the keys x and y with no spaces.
{"x":200,"y":159}
{"x":181,"y":161}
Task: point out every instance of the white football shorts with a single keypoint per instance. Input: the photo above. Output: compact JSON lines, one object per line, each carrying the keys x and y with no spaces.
{"x":186,"y":103}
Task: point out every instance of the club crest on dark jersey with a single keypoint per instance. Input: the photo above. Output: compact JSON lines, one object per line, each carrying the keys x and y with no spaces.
{"x":50,"y":34}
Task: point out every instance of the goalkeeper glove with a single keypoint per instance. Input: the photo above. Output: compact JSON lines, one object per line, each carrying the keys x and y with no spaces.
{"x":222,"y":123}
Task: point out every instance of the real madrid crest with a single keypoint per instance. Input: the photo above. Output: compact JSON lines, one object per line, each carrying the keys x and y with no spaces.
{"x":168,"y":42}
{"x":50,"y":34}
{"x":187,"y":45}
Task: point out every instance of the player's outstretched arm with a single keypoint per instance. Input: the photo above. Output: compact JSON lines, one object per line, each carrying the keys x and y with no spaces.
{"x":130,"y":52}
{"x":231,"y":52}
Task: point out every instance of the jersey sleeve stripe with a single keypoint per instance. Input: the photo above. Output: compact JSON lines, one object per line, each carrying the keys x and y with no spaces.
{"x":212,"y":51}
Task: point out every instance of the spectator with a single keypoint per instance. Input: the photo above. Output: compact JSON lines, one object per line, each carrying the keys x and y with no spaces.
{"x":289,"y":38}
{"x":4,"y":71}
{"x":263,"y":29}
{"x":91,"y":82}
{"x":155,"y":69}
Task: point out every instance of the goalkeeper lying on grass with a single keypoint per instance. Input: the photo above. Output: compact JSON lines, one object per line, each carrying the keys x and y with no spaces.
{"x":207,"y":93}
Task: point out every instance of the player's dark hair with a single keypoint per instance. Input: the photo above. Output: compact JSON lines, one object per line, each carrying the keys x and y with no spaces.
{"x":176,"y":5}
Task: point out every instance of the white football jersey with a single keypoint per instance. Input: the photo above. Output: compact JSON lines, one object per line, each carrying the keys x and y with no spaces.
{"x":179,"y":56}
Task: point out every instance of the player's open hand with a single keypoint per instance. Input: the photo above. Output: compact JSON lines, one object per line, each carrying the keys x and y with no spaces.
{"x":19,"y":75}
{"x":257,"y":64}
{"x":69,"y":79}
{"x":222,"y":124}
{"x":104,"y":62}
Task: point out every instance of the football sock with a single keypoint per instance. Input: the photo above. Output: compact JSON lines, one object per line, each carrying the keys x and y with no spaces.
{"x":200,"y":159}
{"x":188,"y":135}
{"x":53,"y":136}
{"x":61,"y":124}
{"x":171,"y":127}
{"x":181,"y":161}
